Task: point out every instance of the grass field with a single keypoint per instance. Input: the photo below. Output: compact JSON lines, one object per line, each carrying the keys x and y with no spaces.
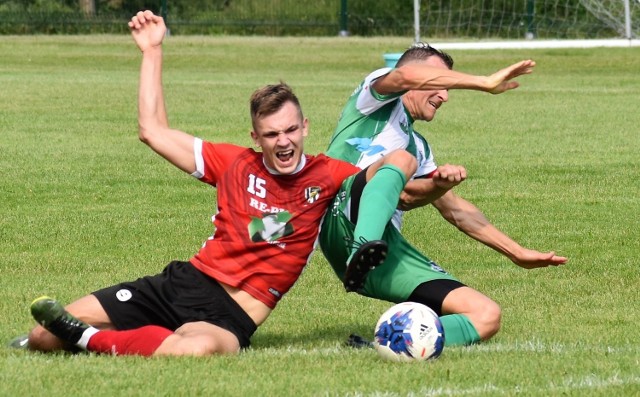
{"x":554,"y":164}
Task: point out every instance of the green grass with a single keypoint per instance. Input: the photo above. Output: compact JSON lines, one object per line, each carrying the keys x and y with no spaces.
{"x":84,"y":204}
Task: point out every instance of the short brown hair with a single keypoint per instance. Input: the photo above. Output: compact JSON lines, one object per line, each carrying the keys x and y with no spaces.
{"x":423,"y":51}
{"x":269,"y":99}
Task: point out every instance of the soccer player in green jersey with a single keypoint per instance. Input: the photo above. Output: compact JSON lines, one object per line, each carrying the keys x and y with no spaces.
{"x":378,"y":118}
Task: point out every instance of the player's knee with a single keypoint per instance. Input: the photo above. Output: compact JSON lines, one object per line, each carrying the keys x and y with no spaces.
{"x":490,"y":317}
{"x":202,"y":347}
{"x":42,"y":340}
{"x":404,"y":161}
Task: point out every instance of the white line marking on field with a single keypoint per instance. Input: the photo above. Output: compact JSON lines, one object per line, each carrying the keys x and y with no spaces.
{"x":566,"y":385}
{"x":521,"y":44}
{"x":544,"y":347}
{"x":523,"y":346}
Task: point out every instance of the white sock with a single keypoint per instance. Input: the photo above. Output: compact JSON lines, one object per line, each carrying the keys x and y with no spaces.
{"x":86,"y":335}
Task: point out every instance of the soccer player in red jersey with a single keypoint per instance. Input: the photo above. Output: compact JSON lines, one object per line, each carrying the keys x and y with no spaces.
{"x":269,"y":207}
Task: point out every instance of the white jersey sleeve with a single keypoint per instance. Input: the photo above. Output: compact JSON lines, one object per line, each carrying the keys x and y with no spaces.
{"x":368,"y":100}
{"x":424,"y":154}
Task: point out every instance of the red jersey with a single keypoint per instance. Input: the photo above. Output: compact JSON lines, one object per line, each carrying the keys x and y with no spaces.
{"x":266,"y":224}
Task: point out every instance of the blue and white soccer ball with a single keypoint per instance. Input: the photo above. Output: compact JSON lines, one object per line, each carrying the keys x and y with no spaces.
{"x":409,"y":331}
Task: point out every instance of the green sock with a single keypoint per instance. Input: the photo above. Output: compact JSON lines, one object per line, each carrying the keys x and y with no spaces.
{"x":378,"y":202}
{"x":458,"y":330}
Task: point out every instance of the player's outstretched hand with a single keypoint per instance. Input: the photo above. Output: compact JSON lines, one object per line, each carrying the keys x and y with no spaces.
{"x":500,"y":81}
{"x":448,"y":176}
{"x":147,"y":29}
{"x":531,"y":259}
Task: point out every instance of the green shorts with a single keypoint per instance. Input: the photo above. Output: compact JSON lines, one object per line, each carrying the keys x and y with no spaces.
{"x":404,"y":269}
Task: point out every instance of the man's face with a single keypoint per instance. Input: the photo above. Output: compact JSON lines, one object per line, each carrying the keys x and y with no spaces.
{"x":423,"y":104}
{"x":281,"y":137}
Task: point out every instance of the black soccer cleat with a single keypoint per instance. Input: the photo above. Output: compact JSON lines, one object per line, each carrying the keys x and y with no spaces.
{"x":358,"y":342}
{"x":369,"y":255}
{"x":54,"y":318}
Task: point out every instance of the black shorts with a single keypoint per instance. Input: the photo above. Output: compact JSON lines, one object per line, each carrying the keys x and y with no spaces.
{"x":180,"y":294}
{"x":432,"y":293}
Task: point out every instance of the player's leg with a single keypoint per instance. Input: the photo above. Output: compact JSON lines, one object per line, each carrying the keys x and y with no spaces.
{"x":408,"y":275}
{"x":375,"y":201}
{"x":87,"y":309}
{"x":191,"y":339}
{"x":146,"y":312}
{"x":224,"y":329}
{"x":465,"y":308}
{"x":199,"y":339}
{"x":338,"y":240}
{"x":336,"y":230}
{"x":467,"y":315}
{"x":379,"y":196}
{"x":52,"y":316}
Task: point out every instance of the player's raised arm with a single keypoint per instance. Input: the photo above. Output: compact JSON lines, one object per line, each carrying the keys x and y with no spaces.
{"x":148,"y":31}
{"x":422,"y":76}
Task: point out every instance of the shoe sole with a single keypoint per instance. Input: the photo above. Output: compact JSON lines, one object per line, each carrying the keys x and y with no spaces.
{"x":19,"y":342}
{"x":369,"y":256}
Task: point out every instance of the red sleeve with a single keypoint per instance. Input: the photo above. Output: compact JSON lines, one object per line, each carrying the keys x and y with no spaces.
{"x":340,"y":170}
{"x":427,"y":176}
{"x":216,"y":158}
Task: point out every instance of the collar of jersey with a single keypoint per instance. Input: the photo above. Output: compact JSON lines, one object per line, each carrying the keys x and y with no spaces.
{"x":303,"y":162}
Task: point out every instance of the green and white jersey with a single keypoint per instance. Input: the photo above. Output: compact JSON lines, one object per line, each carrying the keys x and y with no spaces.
{"x":372,"y":125}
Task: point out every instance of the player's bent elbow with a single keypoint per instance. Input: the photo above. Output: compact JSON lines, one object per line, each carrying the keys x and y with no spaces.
{"x":405,"y":78}
{"x":145,"y":134}
{"x":150,"y":134}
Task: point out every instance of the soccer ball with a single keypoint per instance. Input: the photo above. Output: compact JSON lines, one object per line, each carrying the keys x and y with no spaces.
{"x":409,"y":331}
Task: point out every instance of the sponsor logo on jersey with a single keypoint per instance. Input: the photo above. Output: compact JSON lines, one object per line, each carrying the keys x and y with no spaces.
{"x":275,"y":292}
{"x":311,"y":194}
{"x":271,"y":227}
{"x":263,"y":207}
{"x":364,"y":145}
{"x":437,"y":268}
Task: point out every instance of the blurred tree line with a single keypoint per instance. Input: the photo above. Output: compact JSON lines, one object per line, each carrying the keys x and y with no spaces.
{"x":439,"y":18}
{"x":91,"y":7}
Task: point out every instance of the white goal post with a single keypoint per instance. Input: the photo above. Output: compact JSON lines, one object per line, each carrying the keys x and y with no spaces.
{"x":614,"y":13}
{"x":618,"y":15}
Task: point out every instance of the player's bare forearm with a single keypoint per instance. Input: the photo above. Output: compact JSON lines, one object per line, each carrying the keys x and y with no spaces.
{"x":174,"y":145}
{"x":471,"y":221}
{"x":418,"y":193}
{"x":148,"y":31}
{"x":150,"y":103}
{"x":416,"y":76}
